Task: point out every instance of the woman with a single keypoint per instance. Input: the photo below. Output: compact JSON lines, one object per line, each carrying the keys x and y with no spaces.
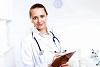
{"x":38,"y":49}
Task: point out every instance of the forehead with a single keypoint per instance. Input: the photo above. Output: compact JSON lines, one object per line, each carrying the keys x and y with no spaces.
{"x":37,"y":11}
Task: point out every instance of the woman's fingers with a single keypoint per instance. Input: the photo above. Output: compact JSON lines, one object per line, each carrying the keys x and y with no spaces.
{"x":56,"y":56}
{"x":64,"y":65}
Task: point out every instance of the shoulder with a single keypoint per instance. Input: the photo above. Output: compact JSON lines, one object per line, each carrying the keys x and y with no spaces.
{"x":27,"y":37}
{"x":26,"y":41}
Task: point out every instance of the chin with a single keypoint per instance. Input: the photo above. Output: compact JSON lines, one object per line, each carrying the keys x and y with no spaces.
{"x":40,"y":27}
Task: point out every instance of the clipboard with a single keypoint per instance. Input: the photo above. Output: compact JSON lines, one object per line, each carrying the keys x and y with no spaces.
{"x":61,"y":60}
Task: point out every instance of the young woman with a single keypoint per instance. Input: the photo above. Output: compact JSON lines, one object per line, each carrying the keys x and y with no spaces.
{"x":39,"y":48}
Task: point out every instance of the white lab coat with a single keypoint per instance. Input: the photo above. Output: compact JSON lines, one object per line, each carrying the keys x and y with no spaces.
{"x":30,"y":50}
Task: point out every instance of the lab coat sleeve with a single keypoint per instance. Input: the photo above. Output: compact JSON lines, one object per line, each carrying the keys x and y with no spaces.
{"x":75,"y":59}
{"x":27,"y":58}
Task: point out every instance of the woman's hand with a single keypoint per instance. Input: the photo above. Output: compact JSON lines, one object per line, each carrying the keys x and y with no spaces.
{"x":56,"y":56}
{"x":63,"y":63}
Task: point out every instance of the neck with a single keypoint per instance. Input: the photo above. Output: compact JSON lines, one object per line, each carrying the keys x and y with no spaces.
{"x":43,"y":31}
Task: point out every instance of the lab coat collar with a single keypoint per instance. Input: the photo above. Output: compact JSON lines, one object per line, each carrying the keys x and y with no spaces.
{"x":38,"y":34}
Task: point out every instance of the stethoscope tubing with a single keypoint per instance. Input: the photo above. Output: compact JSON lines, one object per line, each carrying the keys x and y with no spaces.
{"x":55,"y":42}
{"x":41,"y":51}
{"x":37,"y":44}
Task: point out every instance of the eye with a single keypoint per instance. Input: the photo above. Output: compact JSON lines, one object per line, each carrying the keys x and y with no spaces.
{"x":42,"y":16}
{"x":34,"y":18}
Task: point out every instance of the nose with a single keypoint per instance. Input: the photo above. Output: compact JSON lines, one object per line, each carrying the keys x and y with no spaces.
{"x":39,"y":20}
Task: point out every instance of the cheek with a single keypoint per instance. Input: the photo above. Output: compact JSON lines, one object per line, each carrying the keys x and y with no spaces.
{"x":45,"y":23}
{"x":34,"y":22}
{"x":44,"y":20}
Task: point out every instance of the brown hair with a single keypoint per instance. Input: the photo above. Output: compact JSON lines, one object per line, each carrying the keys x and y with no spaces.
{"x":37,"y":5}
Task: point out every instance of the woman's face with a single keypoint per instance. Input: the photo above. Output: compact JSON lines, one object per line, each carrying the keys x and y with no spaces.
{"x":39,"y":17}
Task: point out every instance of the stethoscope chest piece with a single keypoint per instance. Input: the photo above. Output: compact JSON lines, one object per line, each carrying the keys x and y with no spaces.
{"x":41,"y":52}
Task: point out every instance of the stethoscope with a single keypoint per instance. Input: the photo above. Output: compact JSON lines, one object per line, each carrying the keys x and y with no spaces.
{"x":54,"y":40}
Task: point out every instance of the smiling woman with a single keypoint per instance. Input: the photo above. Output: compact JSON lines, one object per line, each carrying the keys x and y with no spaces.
{"x":40,"y":47}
